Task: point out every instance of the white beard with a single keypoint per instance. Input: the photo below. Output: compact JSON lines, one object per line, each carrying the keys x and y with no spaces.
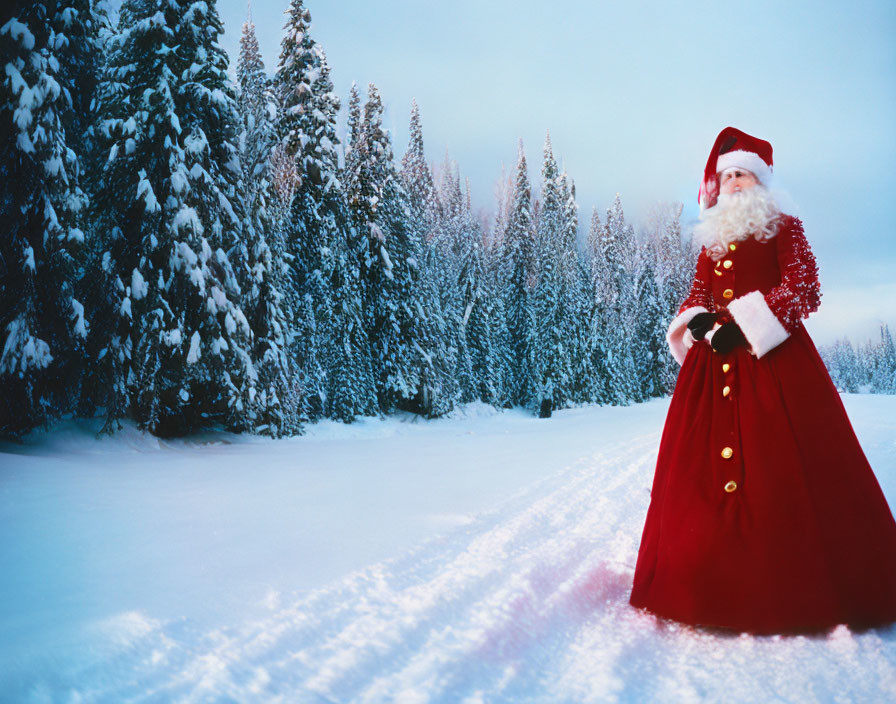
{"x":736,"y":217}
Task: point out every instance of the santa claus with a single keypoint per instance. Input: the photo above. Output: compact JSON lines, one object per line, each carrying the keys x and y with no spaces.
{"x":765,"y":515}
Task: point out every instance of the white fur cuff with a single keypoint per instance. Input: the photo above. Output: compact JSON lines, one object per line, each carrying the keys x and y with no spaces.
{"x":759,"y":325}
{"x":675,"y":335}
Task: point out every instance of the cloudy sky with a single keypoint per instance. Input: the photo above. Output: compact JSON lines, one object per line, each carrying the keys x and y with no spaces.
{"x":633,"y":94}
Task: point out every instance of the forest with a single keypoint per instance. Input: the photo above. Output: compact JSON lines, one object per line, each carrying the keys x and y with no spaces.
{"x":184,"y":250}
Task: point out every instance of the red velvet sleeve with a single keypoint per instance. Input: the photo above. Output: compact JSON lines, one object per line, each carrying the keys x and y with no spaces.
{"x":767,"y":320}
{"x":799,"y":292}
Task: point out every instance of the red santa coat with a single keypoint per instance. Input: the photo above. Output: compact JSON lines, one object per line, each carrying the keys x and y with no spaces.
{"x":765,"y":515}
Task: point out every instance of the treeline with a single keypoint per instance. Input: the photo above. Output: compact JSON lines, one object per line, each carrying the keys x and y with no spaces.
{"x":186,"y":251}
{"x":863,"y":368}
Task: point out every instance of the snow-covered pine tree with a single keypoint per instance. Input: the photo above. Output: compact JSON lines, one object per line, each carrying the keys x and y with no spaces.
{"x":435,"y":396}
{"x":497,"y":389}
{"x":886,"y":369}
{"x":500,"y":363}
{"x":298,"y":68}
{"x":673,"y":266}
{"x":650,"y":345}
{"x":332,"y":341}
{"x":390,"y":268}
{"x":455,"y":274}
{"x":517,"y":265}
{"x":297,"y":78}
{"x":168,"y":118}
{"x":83,"y":27}
{"x":624,"y":268}
{"x":612,"y":360}
{"x":351,"y":388}
{"x":42,"y":323}
{"x":415,"y":174}
{"x":479,"y":321}
{"x":585,"y":373}
{"x":847,"y":366}
{"x":865,"y":356}
{"x":548,"y":350}
{"x":258,"y":111}
{"x":474,"y":321}
{"x":601,"y":291}
{"x":576,"y":301}
{"x":504,"y":189}
{"x":265,"y":277}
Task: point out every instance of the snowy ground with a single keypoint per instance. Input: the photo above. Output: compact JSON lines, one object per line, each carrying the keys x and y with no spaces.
{"x":483,"y":558}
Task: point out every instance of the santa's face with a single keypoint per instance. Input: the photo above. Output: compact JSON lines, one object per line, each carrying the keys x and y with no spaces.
{"x":735,"y":179}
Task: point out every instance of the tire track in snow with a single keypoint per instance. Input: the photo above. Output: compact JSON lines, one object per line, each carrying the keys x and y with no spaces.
{"x":452,"y":609}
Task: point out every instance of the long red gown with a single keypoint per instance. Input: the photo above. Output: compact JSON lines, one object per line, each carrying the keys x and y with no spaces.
{"x":765,"y":515}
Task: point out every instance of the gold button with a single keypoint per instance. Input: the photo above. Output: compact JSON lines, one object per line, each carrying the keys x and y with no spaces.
{"x":731,"y":247}
{"x":726,"y":391}
{"x":718,"y":264}
{"x":717,"y":272}
{"x":727,"y":293}
{"x":727,"y":452}
{"x":728,"y":264}
{"x":726,"y":367}
{"x":731,"y":486}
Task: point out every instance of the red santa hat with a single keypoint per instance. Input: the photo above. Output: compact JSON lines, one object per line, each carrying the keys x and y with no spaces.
{"x":734,"y":148}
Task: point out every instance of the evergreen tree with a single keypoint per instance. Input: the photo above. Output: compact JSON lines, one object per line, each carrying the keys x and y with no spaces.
{"x":623,"y":261}
{"x":435,"y":393}
{"x":573,"y":299}
{"x":265,"y":279}
{"x":473,"y":323}
{"x":456,"y":276}
{"x":499,"y":363}
{"x":673,"y":265}
{"x":548,"y":351}
{"x":83,"y":27}
{"x":301,"y":88}
{"x":415,"y":174}
{"x":42,"y":323}
{"x":649,"y":345}
{"x":170,"y":213}
{"x":886,"y":370}
{"x":576,"y":301}
{"x":586,"y":382}
{"x":517,"y":267}
{"x":601,"y":292}
{"x":332,"y":347}
{"x":390,"y":268}
{"x":478,"y":309}
{"x":258,"y":110}
{"x":351,"y":389}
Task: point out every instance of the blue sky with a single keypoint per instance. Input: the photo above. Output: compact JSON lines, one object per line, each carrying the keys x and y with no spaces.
{"x":633,"y":94}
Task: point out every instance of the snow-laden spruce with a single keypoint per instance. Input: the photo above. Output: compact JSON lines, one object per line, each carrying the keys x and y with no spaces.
{"x":179,"y":349}
{"x":437,"y":390}
{"x":868,"y":367}
{"x":332,"y":350}
{"x":517,"y":273}
{"x":264,"y":274}
{"x":44,"y":88}
{"x":391,"y":253}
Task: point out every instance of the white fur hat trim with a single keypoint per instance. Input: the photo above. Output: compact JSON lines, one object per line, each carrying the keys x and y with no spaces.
{"x":750,"y":161}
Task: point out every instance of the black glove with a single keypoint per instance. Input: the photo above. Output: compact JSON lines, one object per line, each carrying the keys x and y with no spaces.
{"x":727,"y":337}
{"x":701,"y":324}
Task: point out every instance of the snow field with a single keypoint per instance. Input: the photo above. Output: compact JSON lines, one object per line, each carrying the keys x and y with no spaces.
{"x":524,"y":601}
